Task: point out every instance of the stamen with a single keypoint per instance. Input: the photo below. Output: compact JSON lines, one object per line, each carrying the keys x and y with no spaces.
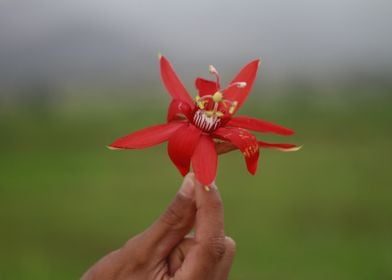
{"x":217,"y":98}
{"x":214,"y":114}
{"x":200,"y":102}
{"x":216,"y":106}
{"x":219,"y":114}
{"x":233,"y":107}
{"x":209,"y":113}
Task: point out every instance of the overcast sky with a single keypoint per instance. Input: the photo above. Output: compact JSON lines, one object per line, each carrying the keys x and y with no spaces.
{"x":83,"y":39}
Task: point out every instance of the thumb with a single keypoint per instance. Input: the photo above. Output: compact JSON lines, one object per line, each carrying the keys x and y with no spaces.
{"x":175,"y":223}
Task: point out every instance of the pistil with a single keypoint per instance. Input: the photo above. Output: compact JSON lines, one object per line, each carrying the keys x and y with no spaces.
{"x":210,"y":105}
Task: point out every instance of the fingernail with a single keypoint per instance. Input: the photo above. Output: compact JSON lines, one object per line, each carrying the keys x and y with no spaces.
{"x":210,"y":187}
{"x":188,"y":186}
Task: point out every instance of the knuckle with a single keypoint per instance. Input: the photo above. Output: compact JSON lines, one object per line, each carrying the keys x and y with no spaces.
{"x":132,"y":251}
{"x":216,"y":204}
{"x":171,"y":217}
{"x":175,"y":213}
{"x":216,"y":248}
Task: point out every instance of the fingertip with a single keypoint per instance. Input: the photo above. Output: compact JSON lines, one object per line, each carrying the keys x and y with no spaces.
{"x":190,"y":176}
{"x":208,"y":197}
{"x":210,"y":187}
{"x":187,"y":188}
{"x":231,"y":245}
{"x":206,"y":187}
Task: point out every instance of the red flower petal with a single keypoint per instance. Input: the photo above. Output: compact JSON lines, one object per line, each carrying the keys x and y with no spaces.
{"x":225,"y":147}
{"x":205,"y":160}
{"x":245,"y":141}
{"x":172,"y":83}
{"x":181,"y":146}
{"x":247,"y":74}
{"x":206,"y":87}
{"x":259,"y":125}
{"x":179,"y":110}
{"x":147,"y":137}
{"x":280,"y":146}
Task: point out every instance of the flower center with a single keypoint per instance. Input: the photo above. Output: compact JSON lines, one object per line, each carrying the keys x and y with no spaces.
{"x":206,"y":122}
{"x":213,"y":107}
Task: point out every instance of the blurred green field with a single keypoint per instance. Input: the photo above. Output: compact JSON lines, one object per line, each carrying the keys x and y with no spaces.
{"x":322,"y":213}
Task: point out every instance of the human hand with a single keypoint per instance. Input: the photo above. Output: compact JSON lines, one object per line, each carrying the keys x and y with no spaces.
{"x":164,"y":251}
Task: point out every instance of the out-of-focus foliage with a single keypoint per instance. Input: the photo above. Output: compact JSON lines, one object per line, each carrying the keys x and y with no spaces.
{"x":321,"y":213}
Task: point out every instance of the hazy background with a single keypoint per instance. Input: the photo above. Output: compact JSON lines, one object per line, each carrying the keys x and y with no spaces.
{"x":101,"y":41}
{"x":75,"y":75}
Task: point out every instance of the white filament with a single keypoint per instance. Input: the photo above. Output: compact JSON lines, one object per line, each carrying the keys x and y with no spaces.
{"x":202,"y":121}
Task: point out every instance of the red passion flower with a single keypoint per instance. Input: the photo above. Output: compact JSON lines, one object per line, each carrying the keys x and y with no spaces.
{"x":199,"y":129}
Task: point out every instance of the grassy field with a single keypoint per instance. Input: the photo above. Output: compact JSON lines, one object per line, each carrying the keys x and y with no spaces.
{"x":322,"y":213}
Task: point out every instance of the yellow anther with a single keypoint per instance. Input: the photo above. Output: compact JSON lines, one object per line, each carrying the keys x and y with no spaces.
{"x":199,"y":102}
{"x":209,"y":113}
{"x":219,"y":114}
{"x":213,"y":114}
{"x":232,"y":107}
{"x":217,"y":97}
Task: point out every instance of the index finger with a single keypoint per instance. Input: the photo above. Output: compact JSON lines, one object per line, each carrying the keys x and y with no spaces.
{"x":209,"y":225}
{"x":209,"y":236}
